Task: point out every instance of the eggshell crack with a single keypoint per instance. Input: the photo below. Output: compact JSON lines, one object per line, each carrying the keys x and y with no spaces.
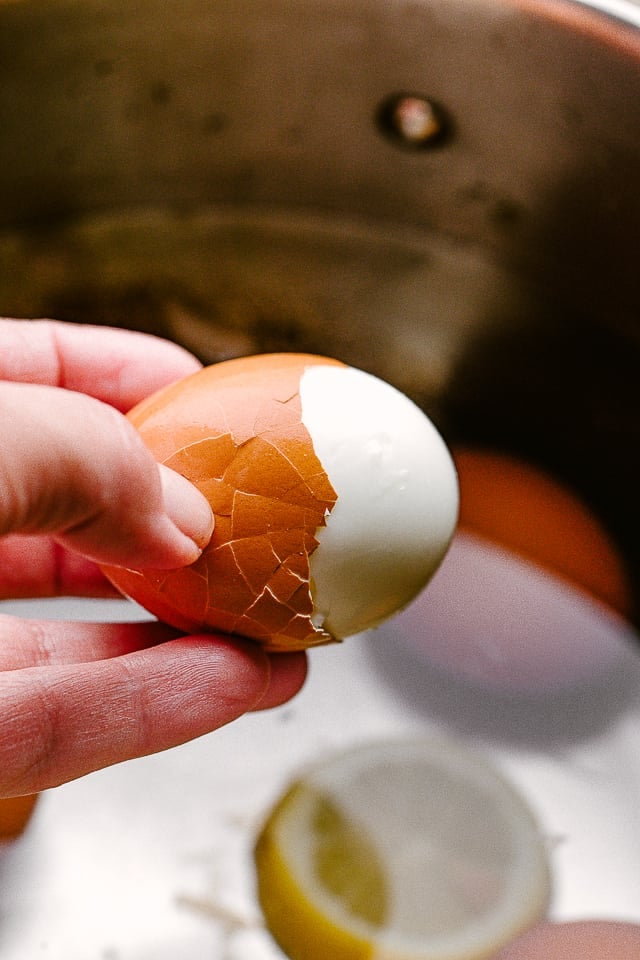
{"x":240,"y":439}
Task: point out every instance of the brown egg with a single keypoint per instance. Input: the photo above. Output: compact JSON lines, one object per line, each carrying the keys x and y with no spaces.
{"x":520,"y":507}
{"x":533,"y":595}
{"x":334,"y":499}
{"x":581,"y":940}
{"x":15,"y":813}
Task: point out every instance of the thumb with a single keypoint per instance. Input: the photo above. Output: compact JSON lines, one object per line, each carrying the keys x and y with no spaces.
{"x":76,"y":469}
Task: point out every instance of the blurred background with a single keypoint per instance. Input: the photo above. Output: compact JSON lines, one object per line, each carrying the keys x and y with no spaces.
{"x":445,"y":193}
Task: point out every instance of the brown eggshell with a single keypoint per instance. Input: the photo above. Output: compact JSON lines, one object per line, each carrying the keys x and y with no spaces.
{"x":235,"y":431}
{"x":523,"y":509}
{"x":581,"y":940}
{"x":15,"y":813}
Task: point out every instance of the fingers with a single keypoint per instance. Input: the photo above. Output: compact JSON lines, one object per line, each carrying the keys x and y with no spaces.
{"x":37,"y":566}
{"x":76,"y":468}
{"x":75,"y":476}
{"x":28,"y":643}
{"x":37,"y":643}
{"x":77,"y":697}
{"x":113,"y":365}
{"x":63,"y":721}
{"x":117,"y":366}
{"x":288,"y":673}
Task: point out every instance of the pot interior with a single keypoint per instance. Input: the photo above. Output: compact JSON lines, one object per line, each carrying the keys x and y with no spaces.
{"x":441,"y":192}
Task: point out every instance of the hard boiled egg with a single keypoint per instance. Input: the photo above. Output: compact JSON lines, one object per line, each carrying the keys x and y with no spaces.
{"x":533,"y":597}
{"x":334,"y":496}
{"x":528,"y":512}
{"x":581,"y":940}
{"x":15,"y":813}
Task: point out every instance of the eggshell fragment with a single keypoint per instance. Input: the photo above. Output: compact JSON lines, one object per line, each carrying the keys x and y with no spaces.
{"x":238,"y":431}
{"x":240,"y":439}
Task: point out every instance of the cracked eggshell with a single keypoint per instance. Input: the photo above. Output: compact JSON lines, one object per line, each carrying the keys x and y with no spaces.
{"x":334,"y":499}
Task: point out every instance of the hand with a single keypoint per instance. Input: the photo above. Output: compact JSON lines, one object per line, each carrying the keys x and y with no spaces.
{"x":77,"y":487}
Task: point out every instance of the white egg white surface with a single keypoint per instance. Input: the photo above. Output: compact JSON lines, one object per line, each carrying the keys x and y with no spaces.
{"x":397,"y":497}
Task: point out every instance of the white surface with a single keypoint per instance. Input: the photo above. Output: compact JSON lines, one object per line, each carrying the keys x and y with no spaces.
{"x":151,"y":860}
{"x":504,"y":623}
{"x":397,"y":500}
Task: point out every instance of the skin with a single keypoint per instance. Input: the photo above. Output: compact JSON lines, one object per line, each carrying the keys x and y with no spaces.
{"x":78,"y":487}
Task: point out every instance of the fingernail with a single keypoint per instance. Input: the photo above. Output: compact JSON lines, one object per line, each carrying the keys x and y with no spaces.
{"x":187,"y":508}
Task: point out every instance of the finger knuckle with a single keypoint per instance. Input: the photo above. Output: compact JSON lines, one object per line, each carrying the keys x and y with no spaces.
{"x":28,"y":741}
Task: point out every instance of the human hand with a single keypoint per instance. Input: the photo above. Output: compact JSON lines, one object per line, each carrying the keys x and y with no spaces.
{"x":78,"y":487}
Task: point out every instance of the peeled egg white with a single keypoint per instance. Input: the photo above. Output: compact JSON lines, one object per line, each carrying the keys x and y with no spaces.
{"x":397,"y":497}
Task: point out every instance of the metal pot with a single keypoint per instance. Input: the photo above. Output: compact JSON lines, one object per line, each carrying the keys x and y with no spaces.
{"x":445,"y":192}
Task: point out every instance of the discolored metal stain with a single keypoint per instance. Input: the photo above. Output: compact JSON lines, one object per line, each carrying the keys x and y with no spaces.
{"x":240,"y":439}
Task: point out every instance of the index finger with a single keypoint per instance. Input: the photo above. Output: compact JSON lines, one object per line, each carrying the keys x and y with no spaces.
{"x":119,"y":367}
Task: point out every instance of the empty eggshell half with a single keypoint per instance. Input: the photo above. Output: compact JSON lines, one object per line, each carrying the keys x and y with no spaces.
{"x":335,"y":499}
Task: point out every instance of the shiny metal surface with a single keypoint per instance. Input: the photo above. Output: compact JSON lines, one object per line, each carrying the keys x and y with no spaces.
{"x":216,"y":172}
{"x":152,"y":859}
{"x":493,"y":275}
{"x":518,"y":287}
